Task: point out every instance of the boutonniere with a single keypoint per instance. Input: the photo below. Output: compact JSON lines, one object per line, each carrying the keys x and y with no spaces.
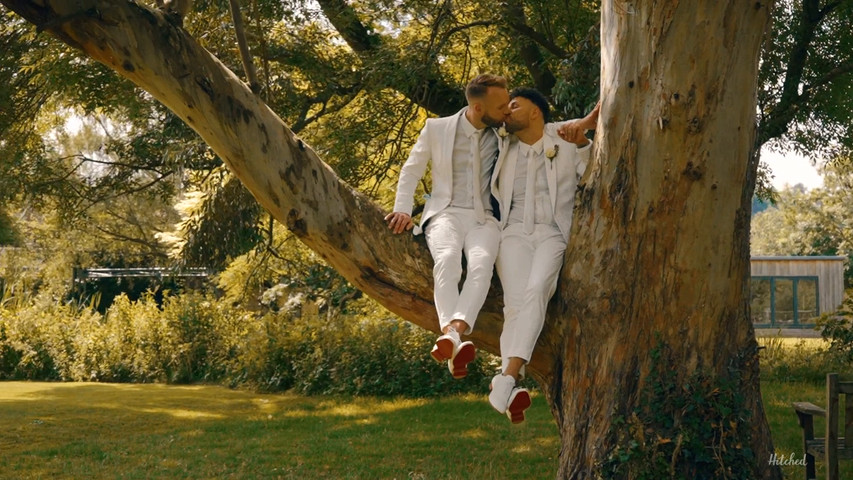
{"x":552,"y":152}
{"x":502,"y":131}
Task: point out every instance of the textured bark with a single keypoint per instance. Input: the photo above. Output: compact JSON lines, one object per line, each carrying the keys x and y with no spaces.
{"x":660,"y":245}
{"x":660,"y":249}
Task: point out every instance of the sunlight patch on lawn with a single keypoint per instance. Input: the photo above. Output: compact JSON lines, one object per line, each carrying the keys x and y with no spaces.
{"x":192,"y":433}
{"x":365,"y":407}
{"x":474,"y":434}
{"x":522,"y":448}
{"x":179,"y":412}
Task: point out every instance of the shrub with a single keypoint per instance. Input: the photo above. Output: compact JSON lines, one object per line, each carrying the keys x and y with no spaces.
{"x":789,"y":359}
{"x":38,"y":339}
{"x":196,"y":338}
{"x":837,"y":329}
{"x":345,"y":355}
{"x":695,"y":428}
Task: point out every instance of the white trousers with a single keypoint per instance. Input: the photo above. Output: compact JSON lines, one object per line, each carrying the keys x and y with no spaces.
{"x":451,"y":233}
{"x":528,"y":266}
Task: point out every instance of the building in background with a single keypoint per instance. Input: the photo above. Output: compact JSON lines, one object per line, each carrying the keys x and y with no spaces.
{"x":791,"y":292}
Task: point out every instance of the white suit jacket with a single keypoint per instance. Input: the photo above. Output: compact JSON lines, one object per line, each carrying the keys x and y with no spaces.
{"x":435,"y":146}
{"x":563,"y":173}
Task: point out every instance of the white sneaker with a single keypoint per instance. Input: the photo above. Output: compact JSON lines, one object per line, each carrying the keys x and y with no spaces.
{"x":507,"y":399}
{"x":519,"y":401}
{"x":445,"y":346}
{"x":501,"y":388}
{"x":464,"y":354}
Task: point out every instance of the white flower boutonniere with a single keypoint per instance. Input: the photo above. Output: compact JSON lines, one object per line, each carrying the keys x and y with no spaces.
{"x":502,"y":131}
{"x":552,"y":152}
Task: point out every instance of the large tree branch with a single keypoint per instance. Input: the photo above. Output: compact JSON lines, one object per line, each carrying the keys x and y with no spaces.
{"x":430,"y":90}
{"x":528,"y":31}
{"x":283,"y":173}
{"x":529,"y":52}
{"x":349,"y":26}
{"x":775,"y":123}
{"x":245,"y":55}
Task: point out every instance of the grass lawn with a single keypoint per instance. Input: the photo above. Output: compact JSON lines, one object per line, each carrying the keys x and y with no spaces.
{"x":87,"y":430}
{"x":786,"y":432}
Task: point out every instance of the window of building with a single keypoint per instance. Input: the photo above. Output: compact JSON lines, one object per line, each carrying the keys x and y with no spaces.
{"x":784,"y":302}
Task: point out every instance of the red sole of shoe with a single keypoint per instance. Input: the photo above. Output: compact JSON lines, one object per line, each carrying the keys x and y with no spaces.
{"x":442,"y":351}
{"x":519,"y":404}
{"x":464,"y":356}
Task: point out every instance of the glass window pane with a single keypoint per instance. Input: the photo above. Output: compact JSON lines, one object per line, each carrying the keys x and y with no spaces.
{"x":784,"y":301}
{"x":759,"y":300}
{"x":806,"y":300}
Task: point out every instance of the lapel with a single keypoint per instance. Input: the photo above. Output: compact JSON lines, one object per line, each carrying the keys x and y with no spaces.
{"x":508,"y":175}
{"x":551,"y":172}
{"x":503,"y":143}
{"x":448,"y":138}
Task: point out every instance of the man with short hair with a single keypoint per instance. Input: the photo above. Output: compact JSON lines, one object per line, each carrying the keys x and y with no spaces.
{"x":457,"y":219}
{"x":534,"y":181}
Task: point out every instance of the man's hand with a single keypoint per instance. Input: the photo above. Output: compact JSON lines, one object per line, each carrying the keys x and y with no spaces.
{"x":573,"y":132}
{"x":399,"y":222}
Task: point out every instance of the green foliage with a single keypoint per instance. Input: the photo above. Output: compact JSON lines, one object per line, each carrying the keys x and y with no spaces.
{"x":344,"y":355}
{"x":280,"y":273}
{"x":220,"y":220}
{"x":8,"y":232}
{"x":577,"y":89}
{"x":804,"y":100}
{"x":837,"y":329}
{"x":810,"y":222}
{"x":692,"y":429}
{"x":194,"y":338}
{"x":798,"y":360}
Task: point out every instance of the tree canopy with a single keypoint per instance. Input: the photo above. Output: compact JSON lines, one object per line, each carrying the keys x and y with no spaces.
{"x":355,"y":81}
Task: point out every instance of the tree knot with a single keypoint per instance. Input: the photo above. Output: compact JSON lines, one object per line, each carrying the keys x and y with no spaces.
{"x":296,"y":224}
{"x":693,"y":172}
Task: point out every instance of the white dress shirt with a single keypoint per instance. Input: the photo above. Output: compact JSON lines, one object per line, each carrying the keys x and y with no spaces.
{"x":542,"y":200}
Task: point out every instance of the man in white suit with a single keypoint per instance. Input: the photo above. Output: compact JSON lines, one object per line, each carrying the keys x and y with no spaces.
{"x":535,"y":183}
{"x":457,"y":218}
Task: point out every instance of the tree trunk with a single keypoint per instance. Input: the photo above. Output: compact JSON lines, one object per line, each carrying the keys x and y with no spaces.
{"x":656,"y":277}
{"x":653,"y":303}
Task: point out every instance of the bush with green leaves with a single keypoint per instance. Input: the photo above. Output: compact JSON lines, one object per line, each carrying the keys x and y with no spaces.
{"x":837,"y":329}
{"x":794,"y":360}
{"x":693,"y":428}
{"x":196,"y":338}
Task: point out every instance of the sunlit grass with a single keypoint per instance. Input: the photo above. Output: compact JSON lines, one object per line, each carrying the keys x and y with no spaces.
{"x":80,"y":430}
{"x":786,"y":432}
{"x":89,"y":430}
{"x":807,"y":343}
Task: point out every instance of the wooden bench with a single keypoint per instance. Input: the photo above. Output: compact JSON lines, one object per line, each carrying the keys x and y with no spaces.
{"x":831,"y":448}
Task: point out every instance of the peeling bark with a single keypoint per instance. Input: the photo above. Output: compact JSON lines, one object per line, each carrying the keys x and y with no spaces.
{"x":664,"y":211}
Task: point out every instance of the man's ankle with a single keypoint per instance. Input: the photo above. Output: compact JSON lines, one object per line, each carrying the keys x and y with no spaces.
{"x":460,"y":326}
